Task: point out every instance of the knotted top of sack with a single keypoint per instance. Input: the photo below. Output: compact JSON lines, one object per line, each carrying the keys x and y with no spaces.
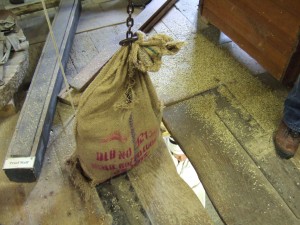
{"x":146,"y":53}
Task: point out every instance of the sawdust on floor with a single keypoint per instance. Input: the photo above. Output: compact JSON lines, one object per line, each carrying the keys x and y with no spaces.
{"x":202,"y":65}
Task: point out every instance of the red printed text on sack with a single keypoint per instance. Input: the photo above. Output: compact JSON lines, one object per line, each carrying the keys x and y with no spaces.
{"x":105,"y":156}
{"x":116,"y":136}
{"x":103,"y":167}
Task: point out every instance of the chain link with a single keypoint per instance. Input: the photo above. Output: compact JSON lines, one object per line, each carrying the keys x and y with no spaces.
{"x":130,"y":37}
{"x":129,"y":21}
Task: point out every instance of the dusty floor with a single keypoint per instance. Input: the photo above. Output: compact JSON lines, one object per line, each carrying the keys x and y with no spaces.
{"x":209,"y":61}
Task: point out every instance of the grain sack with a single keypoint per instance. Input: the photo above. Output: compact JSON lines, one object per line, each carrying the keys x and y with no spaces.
{"x":119,"y":114}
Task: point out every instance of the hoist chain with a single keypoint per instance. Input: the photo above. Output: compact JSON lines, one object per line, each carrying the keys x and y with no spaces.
{"x":130,"y":37}
{"x":129,"y":21}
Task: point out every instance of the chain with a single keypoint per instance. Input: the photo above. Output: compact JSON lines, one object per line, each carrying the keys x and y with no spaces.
{"x":129,"y":21}
{"x":130,"y":37}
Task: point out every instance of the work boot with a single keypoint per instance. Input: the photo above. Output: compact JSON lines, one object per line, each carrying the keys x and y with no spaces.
{"x":286,"y":141}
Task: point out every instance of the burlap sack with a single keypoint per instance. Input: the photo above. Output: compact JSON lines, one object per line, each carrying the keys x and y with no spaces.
{"x":119,"y":114}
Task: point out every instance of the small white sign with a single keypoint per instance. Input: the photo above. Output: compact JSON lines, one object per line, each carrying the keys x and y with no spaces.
{"x":19,"y":163}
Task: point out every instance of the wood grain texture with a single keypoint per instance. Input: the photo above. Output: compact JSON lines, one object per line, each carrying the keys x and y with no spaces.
{"x":52,"y":199}
{"x":273,"y":68}
{"x":82,"y":51}
{"x":88,"y":73}
{"x":148,"y":194}
{"x":120,"y":200}
{"x":164,"y":195}
{"x":103,"y":14}
{"x":282,"y":174}
{"x":267,"y":30}
{"x":235,"y":185}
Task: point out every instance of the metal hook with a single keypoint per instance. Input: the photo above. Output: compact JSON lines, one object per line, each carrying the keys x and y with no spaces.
{"x":130,"y":38}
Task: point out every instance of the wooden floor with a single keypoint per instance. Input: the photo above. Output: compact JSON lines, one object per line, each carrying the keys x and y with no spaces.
{"x":222,"y":108}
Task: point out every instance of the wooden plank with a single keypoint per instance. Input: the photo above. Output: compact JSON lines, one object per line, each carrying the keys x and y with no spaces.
{"x":120,"y":200}
{"x":30,"y":7}
{"x":70,"y":69}
{"x":235,"y":185}
{"x":103,"y":14}
{"x":166,"y":198}
{"x":12,"y":213}
{"x":106,"y":40}
{"x":147,"y":26}
{"x":282,"y":174}
{"x":82,"y":51}
{"x":112,"y":204}
{"x":148,"y":194}
{"x":53,"y":193}
{"x":32,"y":133}
{"x":178,"y":24}
{"x":14,"y":194}
{"x":85,"y":76}
{"x":190,"y":10}
{"x":69,"y":203}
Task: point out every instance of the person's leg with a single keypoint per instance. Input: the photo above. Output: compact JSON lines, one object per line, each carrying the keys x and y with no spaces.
{"x":291,"y":113}
{"x":287,"y":137}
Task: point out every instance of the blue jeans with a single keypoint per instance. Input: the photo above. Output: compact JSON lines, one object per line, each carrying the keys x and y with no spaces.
{"x":291,"y":112}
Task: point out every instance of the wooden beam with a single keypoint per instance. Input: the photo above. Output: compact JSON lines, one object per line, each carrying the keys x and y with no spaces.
{"x":31,"y":7}
{"x":148,"y":25}
{"x":144,"y":22}
{"x":26,"y":151}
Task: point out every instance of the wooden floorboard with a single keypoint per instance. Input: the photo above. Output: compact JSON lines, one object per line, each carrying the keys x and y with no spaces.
{"x":82,"y":51}
{"x":148,"y":194}
{"x":164,"y":195}
{"x":235,"y":184}
{"x":282,"y":174}
{"x":231,"y":152}
{"x":145,"y":18}
{"x":96,"y":16}
{"x":120,"y":200}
